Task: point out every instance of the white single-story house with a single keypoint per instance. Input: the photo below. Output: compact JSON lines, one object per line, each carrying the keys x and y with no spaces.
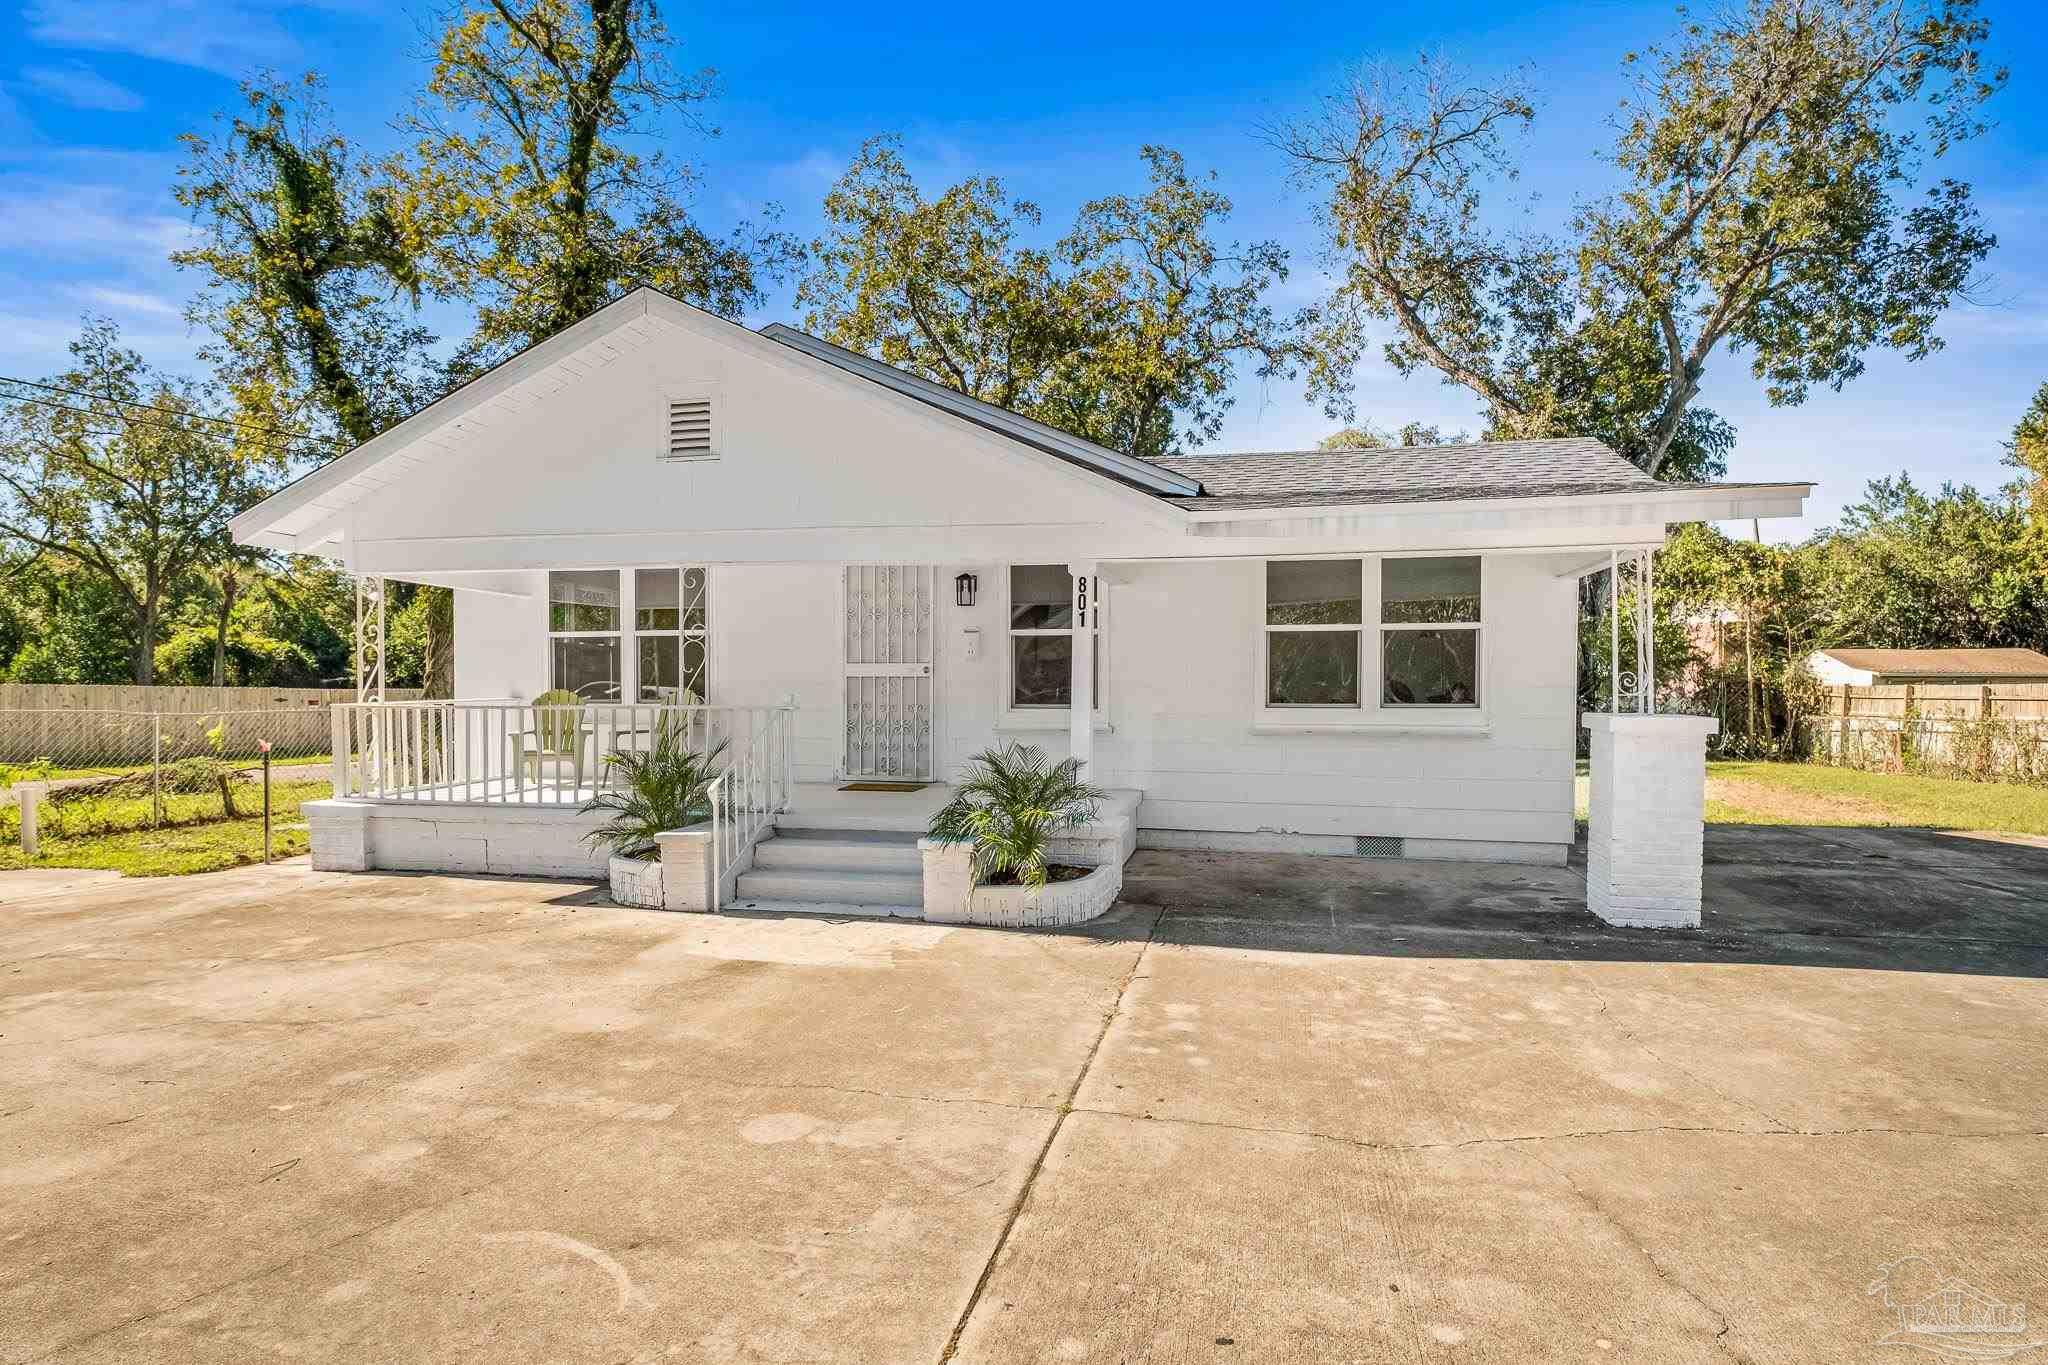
{"x":860,"y":578}
{"x":1879,"y":667}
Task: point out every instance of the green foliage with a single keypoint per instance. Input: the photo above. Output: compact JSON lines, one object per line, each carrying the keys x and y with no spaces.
{"x":119,"y":830}
{"x":305,"y":255}
{"x":37,"y":771}
{"x":535,"y":207}
{"x":1908,"y":570}
{"x":1905,"y":569}
{"x":253,"y":660}
{"x":2028,"y":453}
{"x":1772,"y":199}
{"x":1127,"y":332}
{"x":138,"y":506}
{"x":1370,"y":437}
{"x":198,"y":775}
{"x":652,"y":790}
{"x":1009,"y":806}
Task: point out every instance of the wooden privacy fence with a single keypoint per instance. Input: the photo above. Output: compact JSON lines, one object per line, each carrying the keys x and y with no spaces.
{"x":105,"y":726}
{"x":1995,"y":730}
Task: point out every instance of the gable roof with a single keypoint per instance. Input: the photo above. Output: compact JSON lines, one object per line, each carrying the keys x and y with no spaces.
{"x":1152,"y":476}
{"x":1568,"y":466}
{"x":306,"y":514}
{"x":1938,"y":663}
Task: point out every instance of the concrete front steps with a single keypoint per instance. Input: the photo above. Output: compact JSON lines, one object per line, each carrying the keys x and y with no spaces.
{"x":847,"y":871}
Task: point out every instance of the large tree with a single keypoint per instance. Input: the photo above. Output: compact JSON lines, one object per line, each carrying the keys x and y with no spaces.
{"x":2027,"y":452}
{"x":129,"y":477}
{"x":1773,"y":198}
{"x":539,"y":207}
{"x":308,"y":263}
{"x":1127,"y":331}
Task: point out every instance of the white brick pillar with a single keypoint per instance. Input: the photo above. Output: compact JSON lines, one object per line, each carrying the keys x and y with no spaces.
{"x":948,"y":880}
{"x":1647,"y":815}
{"x":686,"y":878}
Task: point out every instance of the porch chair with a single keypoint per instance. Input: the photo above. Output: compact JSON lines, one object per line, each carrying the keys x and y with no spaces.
{"x":560,"y":734}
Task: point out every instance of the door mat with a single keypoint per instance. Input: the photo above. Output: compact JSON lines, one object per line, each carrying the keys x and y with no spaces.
{"x":885,"y":786}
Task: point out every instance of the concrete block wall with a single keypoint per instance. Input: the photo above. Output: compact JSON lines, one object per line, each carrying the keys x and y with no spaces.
{"x":1646,"y":819}
{"x":356,"y":836}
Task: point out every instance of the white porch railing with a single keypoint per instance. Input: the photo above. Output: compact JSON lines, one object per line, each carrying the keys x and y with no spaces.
{"x":505,"y":752}
{"x":745,"y":797}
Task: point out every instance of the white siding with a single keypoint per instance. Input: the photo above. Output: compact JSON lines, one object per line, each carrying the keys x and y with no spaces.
{"x":501,"y":644}
{"x":1180,"y":661}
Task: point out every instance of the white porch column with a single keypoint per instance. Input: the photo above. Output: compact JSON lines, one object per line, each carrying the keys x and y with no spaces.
{"x":1646,"y":818}
{"x":1081,"y":718}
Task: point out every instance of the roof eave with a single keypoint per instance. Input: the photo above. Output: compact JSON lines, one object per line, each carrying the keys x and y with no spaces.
{"x":1700,"y":504}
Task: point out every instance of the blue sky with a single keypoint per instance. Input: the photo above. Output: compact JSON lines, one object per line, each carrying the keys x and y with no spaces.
{"x":93,"y":95}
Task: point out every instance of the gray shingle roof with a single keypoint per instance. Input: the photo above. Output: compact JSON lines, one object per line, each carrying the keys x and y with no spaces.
{"x":1575,"y":465}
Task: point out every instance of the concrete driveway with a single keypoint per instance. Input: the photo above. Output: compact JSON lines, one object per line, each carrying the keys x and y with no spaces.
{"x":1384,"y":1112}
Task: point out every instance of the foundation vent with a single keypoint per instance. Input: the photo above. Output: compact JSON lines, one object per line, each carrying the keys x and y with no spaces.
{"x":1379,"y":845}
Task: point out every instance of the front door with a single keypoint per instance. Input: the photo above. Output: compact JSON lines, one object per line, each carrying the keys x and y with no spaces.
{"x":887,"y":640}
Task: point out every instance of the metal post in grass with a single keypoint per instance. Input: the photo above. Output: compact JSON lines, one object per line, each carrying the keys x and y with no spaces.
{"x":265,"y":746}
{"x":156,"y":771}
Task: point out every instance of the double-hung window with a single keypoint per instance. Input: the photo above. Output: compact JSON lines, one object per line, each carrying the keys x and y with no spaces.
{"x":583,"y":633}
{"x":1424,"y":633}
{"x":1429,"y":631}
{"x":1042,"y":638}
{"x":1315,"y":623}
{"x":592,"y":646}
{"x":671,"y":619}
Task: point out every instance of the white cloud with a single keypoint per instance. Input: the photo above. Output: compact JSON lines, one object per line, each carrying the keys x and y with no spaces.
{"x":81,"y":87}
{"x":129,"y":301}
{"x":90,"y":221}
{"x":232,"y":37}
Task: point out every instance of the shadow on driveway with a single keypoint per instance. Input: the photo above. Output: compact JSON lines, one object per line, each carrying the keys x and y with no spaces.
{"x":1890,"y":899}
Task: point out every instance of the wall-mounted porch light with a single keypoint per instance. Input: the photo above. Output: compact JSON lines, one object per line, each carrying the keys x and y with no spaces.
{"x":963,"y":590}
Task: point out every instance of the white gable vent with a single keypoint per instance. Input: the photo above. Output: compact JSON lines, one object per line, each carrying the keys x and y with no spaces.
{"x":690,"y":432}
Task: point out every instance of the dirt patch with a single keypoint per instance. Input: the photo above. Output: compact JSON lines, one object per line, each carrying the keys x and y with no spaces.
{"x":1796,"y":807}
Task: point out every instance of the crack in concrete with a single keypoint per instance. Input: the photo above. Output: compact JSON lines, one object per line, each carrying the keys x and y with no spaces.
{"x":1635,"y":1038}
{"x":1657,"y":1267}
{"x":988,"y":1268}
{"x":1523,"y":1139}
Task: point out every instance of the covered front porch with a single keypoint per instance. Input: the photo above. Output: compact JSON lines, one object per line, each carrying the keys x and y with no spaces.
{"x":507,"y":788}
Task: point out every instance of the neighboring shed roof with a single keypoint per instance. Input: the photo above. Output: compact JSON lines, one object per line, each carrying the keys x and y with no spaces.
{"x":1566,"y":466}
{"x":1946,"y":663}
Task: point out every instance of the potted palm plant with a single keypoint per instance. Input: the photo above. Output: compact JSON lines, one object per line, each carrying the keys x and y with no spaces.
{"x":1009,"y":809}
{"x":651,"y":790}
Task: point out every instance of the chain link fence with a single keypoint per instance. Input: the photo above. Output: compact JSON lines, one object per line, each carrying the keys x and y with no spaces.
{"x":114,"y":772}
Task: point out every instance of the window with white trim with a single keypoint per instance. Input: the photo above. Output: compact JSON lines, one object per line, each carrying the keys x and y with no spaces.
{"x":1314,"y":631}
{"x":671,"y":624}
{"x":1429,"y":631}
{"x":1041,"y":628}
{"x":583,"y":633}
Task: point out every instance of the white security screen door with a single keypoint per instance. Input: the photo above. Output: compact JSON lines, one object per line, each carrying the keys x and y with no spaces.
{"x":887,"y":643}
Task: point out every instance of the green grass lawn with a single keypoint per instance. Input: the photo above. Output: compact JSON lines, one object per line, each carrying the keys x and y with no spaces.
{"x":1816,"y":794}
{"x":114,"y":832}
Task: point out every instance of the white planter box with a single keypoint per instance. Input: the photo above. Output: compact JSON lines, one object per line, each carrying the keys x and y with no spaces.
{"x":636,"y":882}
{"x":1052,"y":906}
{"x":950,"y":897}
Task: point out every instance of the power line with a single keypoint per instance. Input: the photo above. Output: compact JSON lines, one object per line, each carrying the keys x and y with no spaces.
{"x":238,"y":423}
